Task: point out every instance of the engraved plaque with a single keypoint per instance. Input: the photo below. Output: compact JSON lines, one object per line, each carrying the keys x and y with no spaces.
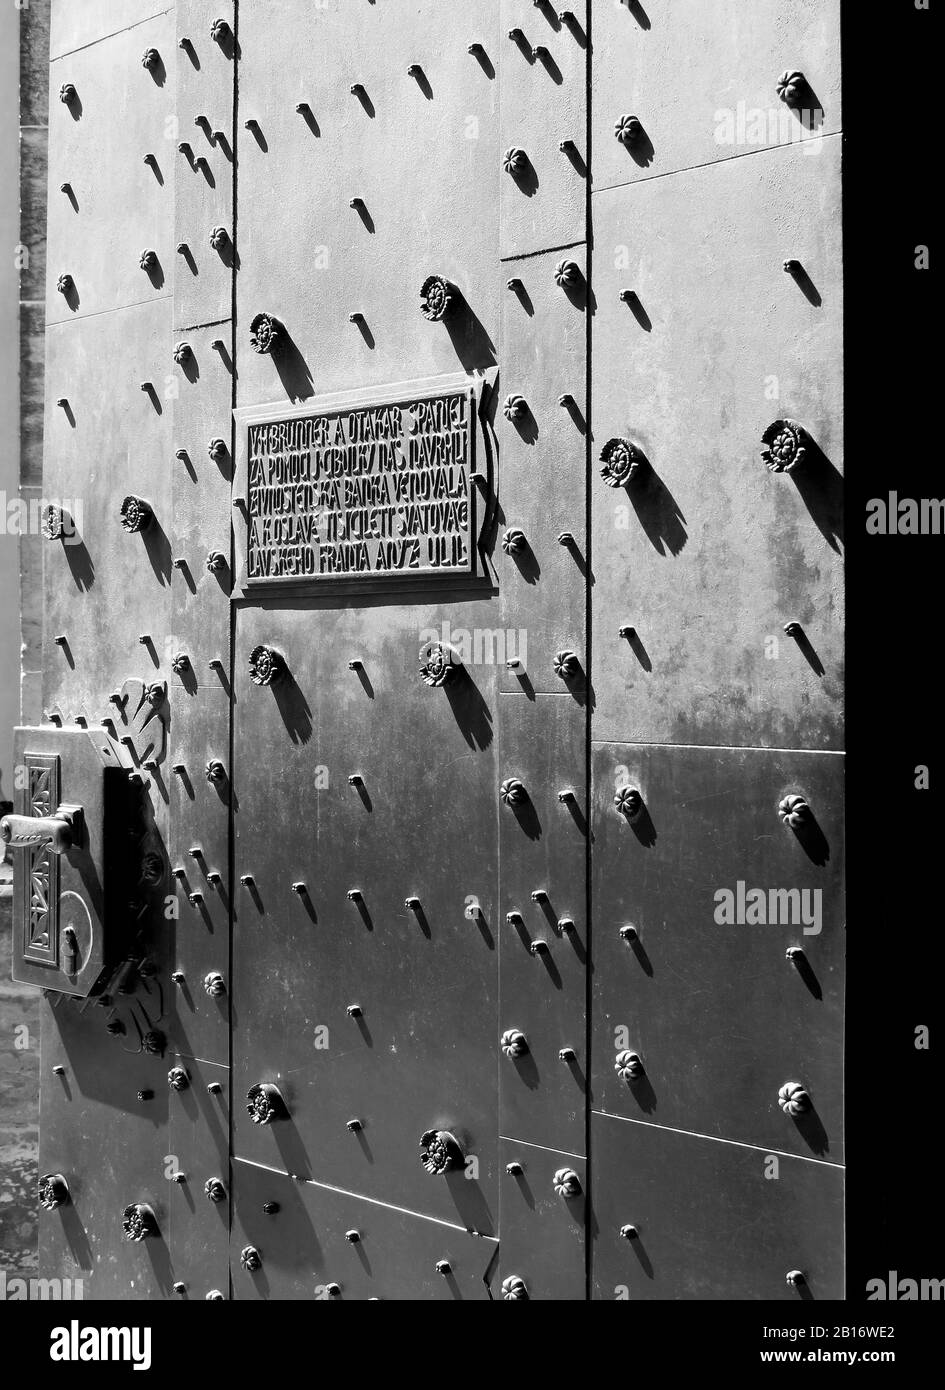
{"x":370,"y":487}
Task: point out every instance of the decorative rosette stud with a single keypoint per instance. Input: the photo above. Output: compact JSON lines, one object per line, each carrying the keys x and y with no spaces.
{"x":214,"y":984}
{"x":438,"y":664}
{"x":135,"y":513}
{"x":515,"y":161}
{"x":53,"y":524}
{"x":628,"y":130}
{"x":514,"y":1043}
{"x":250,"y":1258}
{"x":67,"y":93}
{"x":628,"y":802}
{"x":148,"y":260}
{"x":793,"y":1099}
{"x":138,"y":1221}
{"x":154,"y":1042}
{"x":215,"y":771}
{"x":219,"y":30}
{"x":183,"y":352}
{"x":794,"y":811}
{"x":180,"y":663}
{"x":265,"y":666}
{"x":436,"y":298}
{"x":440,"y":1152}
{"x":512,"y":792}
{"x":514,"y":541}
{"x":216,"y":561}
{"x":215,"y":1189}
{"x":65,"y":284}
{"x":628,"y":1065}
{"x":785,"y":446}
{"x":53,"y":1191}
{"x":621,"y":460}
{"x":177,"y":1079}
{"x":514,"y":1289}
{"x":566,"y":665}
{"x":515,"y":407}
{"x":567,"y":273}
{"x":793,"y":87}
{"x":264,"y":1103}
{"x":264,"y":333}
{"x":150,"y":59}
{"x":567,"y":1183}
{"x":219,"y":238}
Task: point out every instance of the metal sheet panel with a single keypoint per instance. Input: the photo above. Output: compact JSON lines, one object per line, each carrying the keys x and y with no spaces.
{"x":324,"y":1244}
{"x":543,"y":1224}
{"x":703,"y":991}
{"x":708,"y":555}
{"x":703,"y":80}
{"x":418,"y":822}
{"x":75,"y":26}
{"x":710,"y":1221}
{"x":198,"y":1154}
{"x":543,"y":953}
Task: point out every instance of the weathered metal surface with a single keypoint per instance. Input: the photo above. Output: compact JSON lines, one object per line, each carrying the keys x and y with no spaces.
{"x":679,"y":1216}
{"x":420,"y":151}
{"x":702,"y":988}
{"x":542,"y":72}
{"x":324,"y":1244}
{"x":384,"y":791}
{"x":199,"y":1205}
{"x":707,"y":555}
{"x":543,"y":948}
{"x":703,"y":80}
{"x":543,"y":1224}
{"x":112,"y":148}
{"x":74,"y":26}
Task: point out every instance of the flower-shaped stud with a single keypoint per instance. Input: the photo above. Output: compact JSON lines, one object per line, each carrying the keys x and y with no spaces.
{"x":53,"y":1191}
{"x":515,"y":161}
{"x":183,"y":352}
{"x":53,"y":524}
{"x":264,"y":333}
{"x":512,"y":792}
{"x":628,"y":1065}
{"x":135,"y":513}
{"x":219,"y":238}
{"x":566,"y":665}
{"x":177,"y":1079}
{"x":216,"y":561}
{"x":148,"y":260}
{"x":150,"y":59}
{"x":215,"y":1189}
{"x":65,"y":284}
{"x":215,"y":771}
{"x":438,"y":664}
{"x":154,"y":1042}
{"x":264,"y":1103}
{"x":67,"y":93}
{"x":567,"y":273}
{"x":440,"y":1152}
{"x":514,"y":1289}
{"x":567,"y":1183}
{"x":621,"y":460}
{"x":436,"y":297}
{"x":794,"y":811}
{"x":214,"y":984}
{"x":250,"y":1258}
{"x":793,"y":1099}
{"x":219,"y":30}
{"x":792,"y":87}
{"x":180,"y":663}
{"x":217,"y":449}
{"x":138,"y":1221}
{"x":628,"y":802}
{"x":515,"y":407}
{"x":628,"y":129}
{"x":265,"y":666}
{"x":514,"y":1043}
{"x":514,"y":542}
{"x":785,"y":444}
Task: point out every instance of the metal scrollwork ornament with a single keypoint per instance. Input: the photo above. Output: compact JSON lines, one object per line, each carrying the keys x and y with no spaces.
{"x":135,"y":513}
{"x":265,"y":666}
{"x":438,"y":664}
{"x":436,"y":298}
{"x":138,"y":1221}
{"x":264,"y":1103}
{"x":785,"y":446}
{"x":440,"y":1152}
{"x":264,"y":333}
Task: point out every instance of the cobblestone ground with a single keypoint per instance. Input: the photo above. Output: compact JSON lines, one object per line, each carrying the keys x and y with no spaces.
{"x":19,"y":1109}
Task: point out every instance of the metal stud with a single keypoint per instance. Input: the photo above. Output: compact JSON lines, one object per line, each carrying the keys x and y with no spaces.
{"x":567,"y":1183}
{"x":138,"y":1221}
{"x":214,"y":984}
{"x":794,"y":1099}
{"x":628,"y":1065}
{"x":514,"y":1043}
{"x":264,"y":1103}
{"x":514,"y":1289}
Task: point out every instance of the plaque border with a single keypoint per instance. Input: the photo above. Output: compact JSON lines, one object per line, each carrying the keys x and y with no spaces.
{"x":427,"y":388}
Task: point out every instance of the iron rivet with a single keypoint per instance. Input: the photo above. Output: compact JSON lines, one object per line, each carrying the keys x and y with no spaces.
{"x":627,"y":632}
{"x":59,"y":1070}
{"x":214,"y":1088}
{"x":515,"y":919}
{"x":566,"y":401}
{"x":178,"y":977}
{"x":412,"y":904}
{"x":539,"y":896}
{"x":444,"y":1267}
{"x":566,"y":1054}
{"x":247,"y":880}
{"x":514,"y":1170}
{"x":628,"y":933}
{"x":565,"y":538}
{"x":298,"y":887}
{"x":537,"y":946}
{"x":354,"y":1125}
{"x":794,"y":953}
{"x":629,"y":1232}
{"x":270,"y":1208}
{"x":146,"y":1095}
{"x":180,"y":1287}
{"x":352,"y":1237}
{"x":565,"y":924}
{"x":354,"y":1011}
{"x":794,"y":1277}
{"x":353,"y":894}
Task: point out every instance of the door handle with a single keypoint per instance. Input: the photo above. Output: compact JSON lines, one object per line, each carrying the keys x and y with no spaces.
{"x":57,"y":833}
